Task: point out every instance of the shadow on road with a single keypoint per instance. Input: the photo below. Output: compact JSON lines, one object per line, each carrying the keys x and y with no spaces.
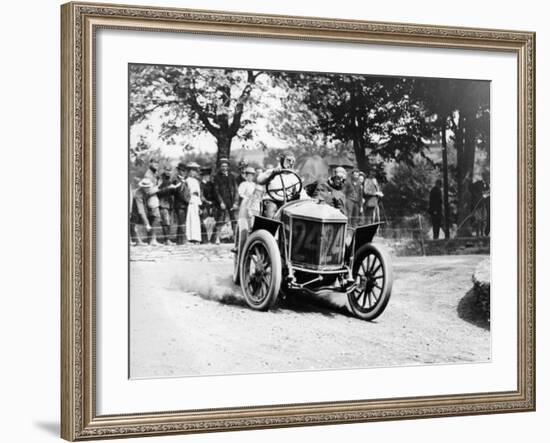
{"x":469,"y":310}
{"x":306,"y":303}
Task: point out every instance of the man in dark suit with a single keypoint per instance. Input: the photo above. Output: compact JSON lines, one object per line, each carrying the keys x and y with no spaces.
{"x":354,"y":199}
{"x":241,"y":177}
{"x":372,"y":196}
{"x":181,"y":202}
{"x":226,"y":197}
{"x":166,"y":202}
{"x":153,"y":202}
{"x":208,"y":197}
{"x":435,"y":208}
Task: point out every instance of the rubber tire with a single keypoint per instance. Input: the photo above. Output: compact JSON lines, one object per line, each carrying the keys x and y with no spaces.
{"x":385,"y":294}
{"x":270,"y":244}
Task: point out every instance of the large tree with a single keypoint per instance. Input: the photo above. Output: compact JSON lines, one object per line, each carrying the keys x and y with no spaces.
{"x":378,"y":116}
{"x":470,"y":126}
{"x":460,"y":112}
{"x":440,"y":99}
{"x":218,"y":101}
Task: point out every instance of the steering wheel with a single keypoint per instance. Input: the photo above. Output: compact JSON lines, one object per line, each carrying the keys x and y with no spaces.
{"x":285,"y":191}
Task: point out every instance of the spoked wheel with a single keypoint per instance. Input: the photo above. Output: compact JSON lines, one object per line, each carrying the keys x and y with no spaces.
{"x":374,"y":278}
{"x":261,"y":270}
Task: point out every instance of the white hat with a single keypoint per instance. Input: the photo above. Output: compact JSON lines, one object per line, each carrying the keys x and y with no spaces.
{"x":193,"y":165}
{"x":145,"y":183}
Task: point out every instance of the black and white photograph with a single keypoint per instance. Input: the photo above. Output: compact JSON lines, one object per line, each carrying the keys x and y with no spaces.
{"x":247,"y":222}
{"x":290,"y":221}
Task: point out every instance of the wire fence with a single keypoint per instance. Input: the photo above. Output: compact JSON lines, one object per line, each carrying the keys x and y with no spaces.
{"x":416,"y":227}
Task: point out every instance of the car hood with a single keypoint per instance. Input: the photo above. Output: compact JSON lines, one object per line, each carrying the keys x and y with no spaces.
{"x":313,"y":210}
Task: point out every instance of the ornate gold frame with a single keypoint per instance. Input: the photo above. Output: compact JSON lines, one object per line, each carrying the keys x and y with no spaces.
{"x":78,"y":417}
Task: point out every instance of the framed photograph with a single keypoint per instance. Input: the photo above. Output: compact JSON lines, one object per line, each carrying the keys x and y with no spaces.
{"x":277,"y":221}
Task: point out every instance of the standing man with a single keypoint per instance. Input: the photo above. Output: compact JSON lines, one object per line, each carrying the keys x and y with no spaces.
{"x":362,"y":210}
{"x":166,"y":203}
{"x":227,"y":198}
{"x":354,"y":199}
{"x":243,"y":164}
{"x":153,"y":202}
{"x":435,"y":208}
{"x":372,"y":194}
{"x":247,"y":188}
{"x":139,"y":211}
{"x":181,"y":202}
{"x":486,"y":177}
{"x":152,"y":171}
{"x":208,"y":196}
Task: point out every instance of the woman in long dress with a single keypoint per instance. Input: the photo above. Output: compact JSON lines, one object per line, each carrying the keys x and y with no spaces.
{"x":193,"y":221}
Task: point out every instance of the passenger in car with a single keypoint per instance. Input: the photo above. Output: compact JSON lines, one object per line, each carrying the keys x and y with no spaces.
{"x":332,"y":191}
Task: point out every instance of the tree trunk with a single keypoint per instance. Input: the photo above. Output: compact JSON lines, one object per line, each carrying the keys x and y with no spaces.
{"x":361,"y":157}
{"x":224,"y":146}
{"x":466,"y":172}
{"x":359,"y":150}
{"x":460,"y":169}
{"x":445,"y":179}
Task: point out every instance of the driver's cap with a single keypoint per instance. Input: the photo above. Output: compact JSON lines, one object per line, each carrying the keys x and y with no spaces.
{"x":340,"y":172}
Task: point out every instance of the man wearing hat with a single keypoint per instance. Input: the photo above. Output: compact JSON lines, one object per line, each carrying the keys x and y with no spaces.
{"x":227,"y":198}
{"x":208,"y":197}
{"x":181,"y":201}
{"x":152,"y":171}
{"x":372,"y":194}
{"x":248,"y":186}
{"x":139,"y":214}
{"x":166,"y":202}
{"x":243,"y":164}
{"x":354,"y":199}
{"x":153,"y":202}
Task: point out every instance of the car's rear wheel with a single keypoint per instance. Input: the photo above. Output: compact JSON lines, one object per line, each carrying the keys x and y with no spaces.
{"x":261,"y":270}
{"x":373,"y":275}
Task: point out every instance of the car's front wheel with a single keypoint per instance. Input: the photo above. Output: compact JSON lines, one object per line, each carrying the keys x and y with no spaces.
{"x":373,"y":275}
{"x":261,"y":270}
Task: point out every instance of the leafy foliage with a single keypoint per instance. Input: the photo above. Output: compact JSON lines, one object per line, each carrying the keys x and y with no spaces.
{"x":384,"y":125}
{"x":379,"y":116}
{"x":407,"y":191}
{"x":223,"y":102}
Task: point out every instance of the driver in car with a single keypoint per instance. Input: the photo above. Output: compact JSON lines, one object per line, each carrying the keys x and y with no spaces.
{"x":286,"y":161}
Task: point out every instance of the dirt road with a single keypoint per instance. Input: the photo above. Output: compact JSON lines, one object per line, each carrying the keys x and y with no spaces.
{"x":187,"y":318}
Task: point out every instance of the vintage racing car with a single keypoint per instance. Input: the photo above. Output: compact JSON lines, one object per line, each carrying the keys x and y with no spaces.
{"x":308,"y":247}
